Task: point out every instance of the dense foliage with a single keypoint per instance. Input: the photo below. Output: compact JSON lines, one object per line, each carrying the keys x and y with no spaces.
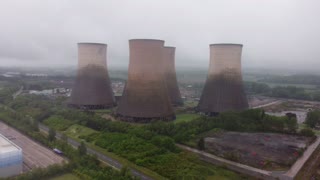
{"x":307,"y":132}
{"x":313,"y":119}
{"x":151,"y":146}
{"x":6,"y":93}
{"x":293,"y":79}
{"x":84,"y":166}
{"x":247,"y":121}
{"x":291,"y":92}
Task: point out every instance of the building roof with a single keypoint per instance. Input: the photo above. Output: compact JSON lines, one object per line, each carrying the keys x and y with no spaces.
{"x":7,"y":146}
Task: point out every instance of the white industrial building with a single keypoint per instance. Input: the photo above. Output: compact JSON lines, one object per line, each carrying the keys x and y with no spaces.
{"x":10,"y":158}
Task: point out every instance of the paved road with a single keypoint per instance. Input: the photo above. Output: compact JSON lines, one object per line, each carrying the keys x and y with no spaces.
{"x":106,"y":159}
{"x":34,"y":154}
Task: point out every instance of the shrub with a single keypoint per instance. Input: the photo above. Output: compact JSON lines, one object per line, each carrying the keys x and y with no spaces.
{"x":307,"y":132}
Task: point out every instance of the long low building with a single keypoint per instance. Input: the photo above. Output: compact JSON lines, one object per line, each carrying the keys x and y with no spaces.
{"x":10,"y":158}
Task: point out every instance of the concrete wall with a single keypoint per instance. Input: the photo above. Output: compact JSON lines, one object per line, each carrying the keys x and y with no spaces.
{"x":92,"y":54}
{"x":225,"y":57}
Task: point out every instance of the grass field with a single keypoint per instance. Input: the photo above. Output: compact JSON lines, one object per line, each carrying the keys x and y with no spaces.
{"x":190,"y":103}
{"x":58,"y":123}
{"x":76,"y":130}
{"x":186,"y":117}
{"x":68,"y":176}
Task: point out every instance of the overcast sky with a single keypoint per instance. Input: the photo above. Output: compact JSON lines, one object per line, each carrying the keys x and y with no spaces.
{"x":274,"y":32}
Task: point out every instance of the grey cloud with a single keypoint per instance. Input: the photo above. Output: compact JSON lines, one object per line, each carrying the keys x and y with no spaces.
{"x":282,"y":33}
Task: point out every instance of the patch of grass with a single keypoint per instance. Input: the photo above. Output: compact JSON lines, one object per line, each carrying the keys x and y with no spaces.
{"x":68,"y":176}
{"x":304,"y":126}
{"x":190,"y":103}
{"x":75,"y":131}
{"x":58,"y":122}
{"x":186,"y":117}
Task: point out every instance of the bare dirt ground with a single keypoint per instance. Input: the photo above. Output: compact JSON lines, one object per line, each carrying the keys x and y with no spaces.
{"x":262,"y":150}
{"x":256,"y":101}
{"x":301,"y":114}
{"x":293,"y":105}
{"x":34,"y":154}
{"x":279,"y":107}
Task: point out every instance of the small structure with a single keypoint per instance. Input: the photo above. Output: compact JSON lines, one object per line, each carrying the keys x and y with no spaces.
{"x":10,"y":158}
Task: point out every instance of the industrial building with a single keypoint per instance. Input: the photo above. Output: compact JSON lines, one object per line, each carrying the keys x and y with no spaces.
{"x":223,"y":90}
{"x":10,"y":158}
{"x":145,"y":97}
{"x":170,"y":76}
{"x":92,"y":89}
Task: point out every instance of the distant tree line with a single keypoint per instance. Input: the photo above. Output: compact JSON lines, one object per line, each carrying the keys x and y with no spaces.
{"x":293,"y":79}
{"x":291,"y":92}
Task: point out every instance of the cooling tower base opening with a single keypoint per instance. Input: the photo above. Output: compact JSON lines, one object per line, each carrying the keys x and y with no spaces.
{"x":91,"y":107}
{"x":145,"y":119}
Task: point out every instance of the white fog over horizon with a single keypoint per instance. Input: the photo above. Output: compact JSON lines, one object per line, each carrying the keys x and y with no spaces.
{"x":276,"y":34}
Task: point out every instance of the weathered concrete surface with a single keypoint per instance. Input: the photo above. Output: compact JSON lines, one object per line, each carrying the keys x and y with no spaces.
{"x":223,"y":90}
{"x":92,"y":88}
{"x":170,"y":76}
{"x":145,"y":97}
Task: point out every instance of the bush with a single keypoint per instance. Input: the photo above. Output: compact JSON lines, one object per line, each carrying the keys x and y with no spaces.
{"x":313,"y":118}
{"x":307,"y":132}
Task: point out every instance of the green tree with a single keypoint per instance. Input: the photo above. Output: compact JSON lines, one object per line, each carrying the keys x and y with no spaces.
{"x":313,"y":118}
{"x":52,"y":134}
{"x":307,"y":132}
{"x":125,"y":172}
{"x":291,"y":122}
{"x":35,"y":125}
{"x":82,"y":149}
{"x":201,"y":144}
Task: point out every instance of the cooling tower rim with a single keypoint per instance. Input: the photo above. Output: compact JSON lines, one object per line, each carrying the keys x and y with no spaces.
{"x":170,"y":47}
{"x":146,"y":40}
{"x":226,"y":44}
{"x":90,"y":43}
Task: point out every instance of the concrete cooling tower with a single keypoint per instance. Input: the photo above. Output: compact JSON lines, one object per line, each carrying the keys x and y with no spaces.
{"x":223,"y":90}
{"x":145,"y":97}
{"x":92,"y":89}
{"x":170,"y":76}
